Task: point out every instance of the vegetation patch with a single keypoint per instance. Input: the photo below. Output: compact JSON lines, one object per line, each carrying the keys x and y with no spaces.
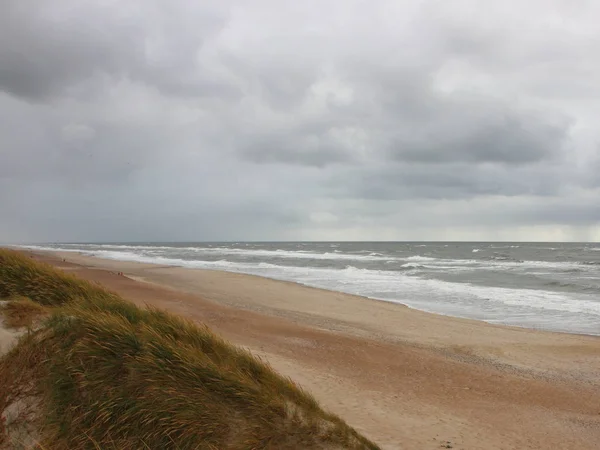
{"x":21,"y":312}
{"x":101,"y":372}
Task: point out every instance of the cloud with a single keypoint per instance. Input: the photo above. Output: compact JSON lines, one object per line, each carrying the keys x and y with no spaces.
{"x":156,"y":120}
{"x":468,"y":134}
{"x":49,"y":50}
{"x":446,"y":182}
{"x":310,"y":148}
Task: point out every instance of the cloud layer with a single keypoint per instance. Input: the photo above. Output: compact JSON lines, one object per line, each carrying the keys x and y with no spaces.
{"x":334,"y":120}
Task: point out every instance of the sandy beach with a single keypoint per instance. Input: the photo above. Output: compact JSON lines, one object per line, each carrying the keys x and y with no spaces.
{"x":405,"y":378}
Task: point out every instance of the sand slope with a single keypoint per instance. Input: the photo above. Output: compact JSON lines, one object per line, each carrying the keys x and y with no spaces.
{"x":404,"y":378}
{"x":7,"y":338}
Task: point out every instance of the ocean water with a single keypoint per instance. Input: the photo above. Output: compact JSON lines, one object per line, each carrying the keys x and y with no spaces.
{"x":551,"y":286}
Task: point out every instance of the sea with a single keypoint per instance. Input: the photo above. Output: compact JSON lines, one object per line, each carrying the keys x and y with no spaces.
{"x":549,"y":286}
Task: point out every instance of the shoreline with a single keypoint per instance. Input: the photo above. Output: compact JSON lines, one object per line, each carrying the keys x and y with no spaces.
{"x":362,"y":297}
{"x":109,"y":262}
{"x":491,"y":322}
{"x":405,"y":378}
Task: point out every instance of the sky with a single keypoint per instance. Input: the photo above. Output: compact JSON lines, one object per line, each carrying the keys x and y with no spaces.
{"x":318,"y":120}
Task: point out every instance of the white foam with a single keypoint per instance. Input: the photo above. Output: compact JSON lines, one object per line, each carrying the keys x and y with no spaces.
{"x":421,"y":258}
{"x":336,"y":255}
{"x":288,"y":254}
{"x":279,"y":253}
{"x":367,"y":282}
{"x":433,"y":263}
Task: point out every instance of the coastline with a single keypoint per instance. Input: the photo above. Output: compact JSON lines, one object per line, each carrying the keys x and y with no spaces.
{"x":552,"y":327}
{"x":449,"y":299}
{"x":107,"y":263}
{"x":404,"y":377}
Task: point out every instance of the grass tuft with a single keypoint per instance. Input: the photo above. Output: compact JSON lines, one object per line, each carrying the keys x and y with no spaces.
{"x":103,"y":373}
{"x":21,"y":312}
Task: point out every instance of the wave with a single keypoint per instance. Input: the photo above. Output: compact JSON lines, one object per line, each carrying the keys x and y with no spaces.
{"x":412,"y":265}
{"x":405,"y":284}
{"x":264,"y":265}
{"x":496,"y":262}
{"x":279,"y":253}
{"x":421,"y":258}
{"x":384,"y":284}
{"x":291,"y":254}
{"x":500,"y":261}
{"x":336,"y":255}
{"x":566,"y":284}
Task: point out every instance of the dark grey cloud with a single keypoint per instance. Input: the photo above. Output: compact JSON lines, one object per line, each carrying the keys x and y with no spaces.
{"x":156,"y":120}
{"x":48,"y":50}
{"x":448,"y":181}
{"x":477,"y":136}
{"x":306,"y":150}
{"x":309,"y":144}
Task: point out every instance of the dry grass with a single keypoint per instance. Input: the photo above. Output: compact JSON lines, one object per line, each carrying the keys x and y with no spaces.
{"x":21,"y":312}
{"x":103,"y":373}
{"x":42,"y":283}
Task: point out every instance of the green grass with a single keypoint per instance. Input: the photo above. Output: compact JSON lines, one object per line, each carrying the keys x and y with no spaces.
{"x":103,"y":373}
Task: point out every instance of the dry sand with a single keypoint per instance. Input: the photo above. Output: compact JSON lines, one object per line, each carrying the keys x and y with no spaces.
{"x":7,"y":338}
{"x":405,"y":378}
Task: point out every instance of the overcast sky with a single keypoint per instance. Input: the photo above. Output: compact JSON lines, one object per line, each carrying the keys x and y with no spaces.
{"x":174,"y":120}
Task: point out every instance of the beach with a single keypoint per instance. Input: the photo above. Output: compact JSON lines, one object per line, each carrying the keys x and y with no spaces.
{"x":547,"y":286}
{"x":405,"y":378}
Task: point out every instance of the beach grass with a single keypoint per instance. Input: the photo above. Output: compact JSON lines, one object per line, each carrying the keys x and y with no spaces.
{"x":100,"y":372}
{"x":21,"y":312}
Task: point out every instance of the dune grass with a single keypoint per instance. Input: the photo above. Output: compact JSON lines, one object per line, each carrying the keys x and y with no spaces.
{"x":103,"y":373}
{"x":21,"y":312}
